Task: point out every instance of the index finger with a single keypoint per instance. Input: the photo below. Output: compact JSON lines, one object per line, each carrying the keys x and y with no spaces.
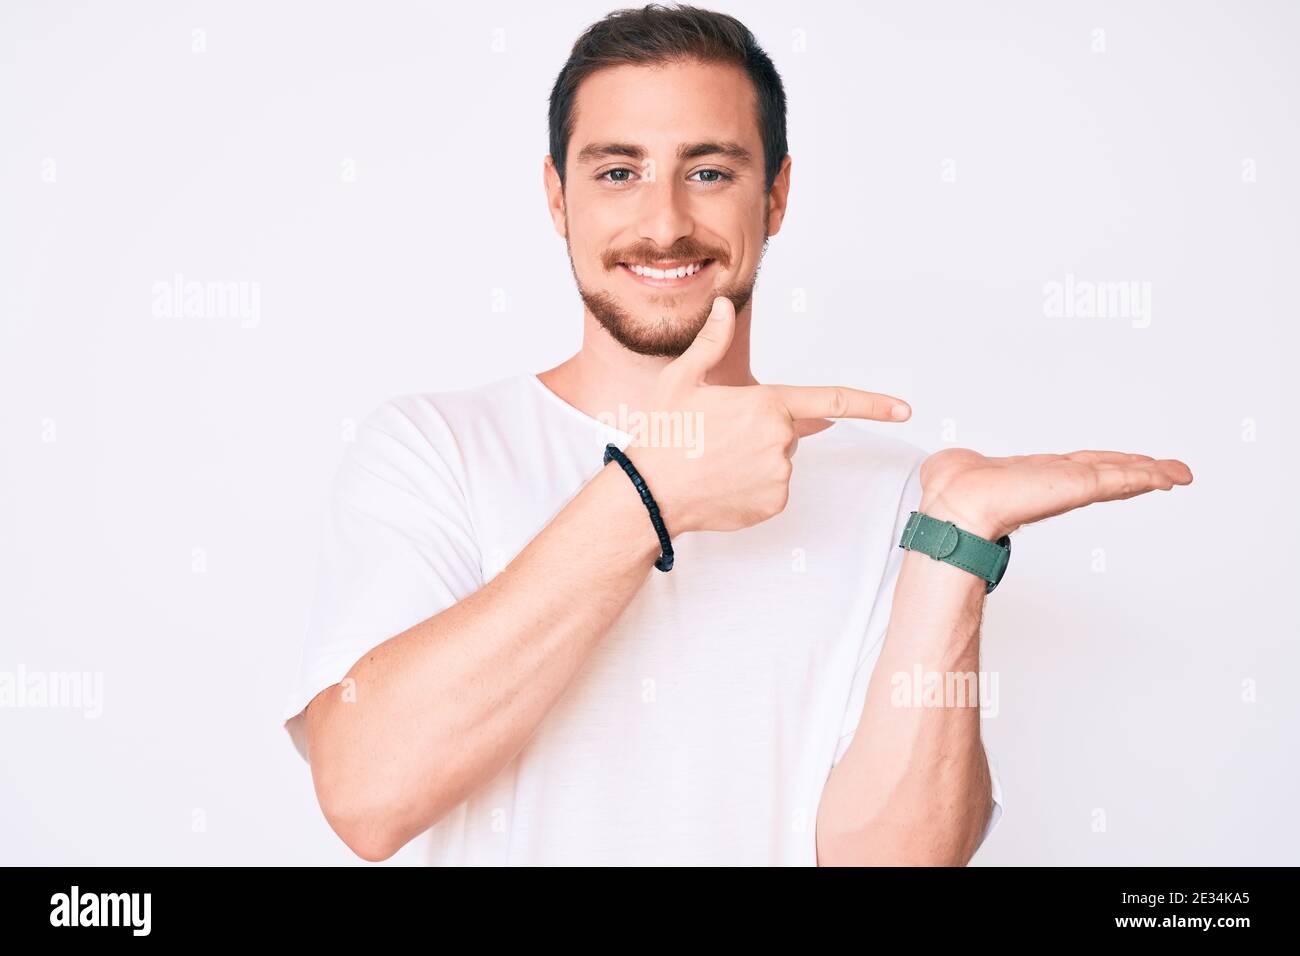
{"x":840,"y":401}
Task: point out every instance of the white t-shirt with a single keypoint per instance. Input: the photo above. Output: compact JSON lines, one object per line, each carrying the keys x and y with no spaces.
{"x":702,"y":728}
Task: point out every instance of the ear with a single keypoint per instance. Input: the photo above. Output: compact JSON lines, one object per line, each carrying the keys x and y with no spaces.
{"x":778,"y":197}
{"x":554,"y":196}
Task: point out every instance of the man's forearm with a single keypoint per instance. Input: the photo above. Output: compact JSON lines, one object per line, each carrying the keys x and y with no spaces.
{"x":913,"y":788}
{"x":437,"y":710}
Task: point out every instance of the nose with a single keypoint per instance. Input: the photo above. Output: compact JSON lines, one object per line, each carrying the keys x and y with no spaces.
{"x":664,"y":215}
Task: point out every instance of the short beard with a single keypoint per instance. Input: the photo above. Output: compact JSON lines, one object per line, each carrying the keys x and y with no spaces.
{"x":671,"y":335}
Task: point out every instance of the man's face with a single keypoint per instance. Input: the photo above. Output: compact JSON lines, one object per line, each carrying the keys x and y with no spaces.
{"x":665,"y":171}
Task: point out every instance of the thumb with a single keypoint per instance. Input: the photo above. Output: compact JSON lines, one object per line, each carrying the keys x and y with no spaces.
{"x":711,"y":343}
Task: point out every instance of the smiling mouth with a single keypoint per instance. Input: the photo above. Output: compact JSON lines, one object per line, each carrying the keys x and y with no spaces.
{"x":668,"y":275}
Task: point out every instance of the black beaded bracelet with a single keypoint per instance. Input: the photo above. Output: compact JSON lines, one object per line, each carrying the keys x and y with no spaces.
{"x":665,"y":560}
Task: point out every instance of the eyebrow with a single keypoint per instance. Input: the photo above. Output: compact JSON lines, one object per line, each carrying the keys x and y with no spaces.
{"x":733,"y":151}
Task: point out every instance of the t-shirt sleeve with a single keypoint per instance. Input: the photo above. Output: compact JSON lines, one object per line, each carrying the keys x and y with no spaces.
{"x":878,"y":623}
{"x":398,"y":547}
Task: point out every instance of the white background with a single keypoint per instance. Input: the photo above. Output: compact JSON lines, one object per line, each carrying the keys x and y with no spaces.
{"x":375,"y":170}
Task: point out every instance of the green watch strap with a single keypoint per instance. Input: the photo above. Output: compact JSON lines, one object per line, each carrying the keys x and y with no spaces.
{"x":944,"y":541}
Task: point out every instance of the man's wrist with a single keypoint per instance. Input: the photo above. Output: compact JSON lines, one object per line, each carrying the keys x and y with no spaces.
{"x":967,"y":519}
{"x":655,"y":465}
{"x":631,"y":517}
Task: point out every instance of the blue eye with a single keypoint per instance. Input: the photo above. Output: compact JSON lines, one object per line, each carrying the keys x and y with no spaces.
{"x":722,"y":177}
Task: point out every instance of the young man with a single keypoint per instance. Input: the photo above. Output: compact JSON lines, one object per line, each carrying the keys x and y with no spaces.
{"x":494,"y":660}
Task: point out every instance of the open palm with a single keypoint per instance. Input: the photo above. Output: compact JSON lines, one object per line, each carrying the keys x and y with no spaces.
{"x":995,"y":496}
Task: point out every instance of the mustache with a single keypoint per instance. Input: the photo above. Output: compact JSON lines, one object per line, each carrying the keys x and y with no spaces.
{"x":683,"y":252}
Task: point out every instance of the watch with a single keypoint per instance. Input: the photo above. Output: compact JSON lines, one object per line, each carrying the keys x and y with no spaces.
{"x":944,"y":541}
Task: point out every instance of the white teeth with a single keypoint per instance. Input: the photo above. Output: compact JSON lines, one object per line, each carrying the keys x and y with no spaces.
{"x":680,"y":272}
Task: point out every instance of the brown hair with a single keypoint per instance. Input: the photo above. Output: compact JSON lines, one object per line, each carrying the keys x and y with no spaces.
{"x":657,"y":34}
